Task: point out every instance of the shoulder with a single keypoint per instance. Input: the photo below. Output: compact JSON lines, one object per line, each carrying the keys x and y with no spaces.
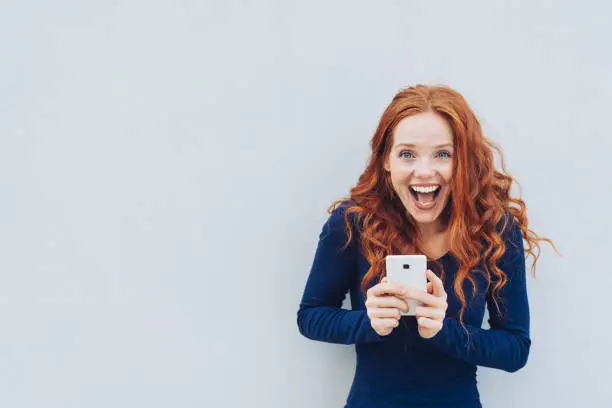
{"x":511,"y":234}
{"x":341,"y":221}
{"x":338,"y":215}
{"x":339,"y":210}
{"x":510,"y":230}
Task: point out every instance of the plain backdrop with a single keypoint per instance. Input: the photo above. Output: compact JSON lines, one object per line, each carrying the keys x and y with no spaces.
{"x":166,"y":166}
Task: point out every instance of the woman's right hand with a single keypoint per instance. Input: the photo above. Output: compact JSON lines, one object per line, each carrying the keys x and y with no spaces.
{"x":383,"y":304}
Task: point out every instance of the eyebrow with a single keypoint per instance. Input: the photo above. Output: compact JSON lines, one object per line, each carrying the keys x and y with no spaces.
{"x":442,"y":146}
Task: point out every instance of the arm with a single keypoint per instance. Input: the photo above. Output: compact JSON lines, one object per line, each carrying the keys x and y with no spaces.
{"x":320,"y":316}
{"x":506,"y":344}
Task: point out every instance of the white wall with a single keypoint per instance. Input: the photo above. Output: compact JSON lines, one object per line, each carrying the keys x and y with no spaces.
{"x":165,"y":169}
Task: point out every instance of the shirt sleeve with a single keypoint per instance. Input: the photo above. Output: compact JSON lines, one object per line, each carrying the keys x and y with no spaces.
{"x":320,"y":316}
{"x":506,"y":344}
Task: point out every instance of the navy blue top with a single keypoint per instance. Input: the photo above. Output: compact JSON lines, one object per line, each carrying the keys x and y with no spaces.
{"x":403,"y":369}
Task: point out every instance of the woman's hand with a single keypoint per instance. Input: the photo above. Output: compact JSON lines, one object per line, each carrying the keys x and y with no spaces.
{"x":430,"y":316}
{"x":384,"y":302}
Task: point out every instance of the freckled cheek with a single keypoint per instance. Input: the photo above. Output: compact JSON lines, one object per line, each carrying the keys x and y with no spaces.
{"x":447,"y":173}
{"x":448,"y":177}
{"x":401,"y":172}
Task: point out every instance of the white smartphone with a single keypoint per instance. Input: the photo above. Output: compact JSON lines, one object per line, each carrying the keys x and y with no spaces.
{"x":408,"y":271}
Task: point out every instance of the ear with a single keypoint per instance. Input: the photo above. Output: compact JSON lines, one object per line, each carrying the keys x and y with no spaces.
{"x":386,"y":165}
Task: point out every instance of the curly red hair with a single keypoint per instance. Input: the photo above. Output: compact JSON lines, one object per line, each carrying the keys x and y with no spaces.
{"x":479,"y":204}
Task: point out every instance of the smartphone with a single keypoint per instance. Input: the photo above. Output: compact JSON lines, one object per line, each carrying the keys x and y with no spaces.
{"x":408,"y":271}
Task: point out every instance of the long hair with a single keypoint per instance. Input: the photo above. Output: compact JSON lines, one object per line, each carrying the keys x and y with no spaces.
{"x":479,"y":202}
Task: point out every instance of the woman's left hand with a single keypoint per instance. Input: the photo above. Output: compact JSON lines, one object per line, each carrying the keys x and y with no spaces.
{"x":430,"y":316}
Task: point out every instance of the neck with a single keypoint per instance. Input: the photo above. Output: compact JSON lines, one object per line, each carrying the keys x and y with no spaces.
{"x":428,"y":231}
{"x":433,"y":240}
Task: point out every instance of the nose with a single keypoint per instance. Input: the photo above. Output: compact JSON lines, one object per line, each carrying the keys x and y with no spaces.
{"x":423,"y":168}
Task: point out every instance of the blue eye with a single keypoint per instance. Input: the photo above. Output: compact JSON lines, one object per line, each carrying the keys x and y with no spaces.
{"x":444,"y":154}
{"x":406,"y":155}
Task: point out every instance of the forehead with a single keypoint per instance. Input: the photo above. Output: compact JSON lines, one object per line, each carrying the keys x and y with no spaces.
{"x":424,"y":130}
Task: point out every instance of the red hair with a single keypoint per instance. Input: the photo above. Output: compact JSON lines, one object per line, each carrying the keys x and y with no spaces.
{"x":480,"y":198}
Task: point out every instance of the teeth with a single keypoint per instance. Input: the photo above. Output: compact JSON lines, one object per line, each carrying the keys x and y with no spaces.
{"x":421,"y":189}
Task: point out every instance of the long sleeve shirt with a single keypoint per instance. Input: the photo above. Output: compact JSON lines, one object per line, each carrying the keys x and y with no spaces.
{"x":403,"y":369}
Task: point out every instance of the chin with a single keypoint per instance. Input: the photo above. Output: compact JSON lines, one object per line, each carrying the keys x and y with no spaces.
{"x":424,"y":219}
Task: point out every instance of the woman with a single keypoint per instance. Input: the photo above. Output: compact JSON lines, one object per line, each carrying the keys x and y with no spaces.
{"x":430,"y":188}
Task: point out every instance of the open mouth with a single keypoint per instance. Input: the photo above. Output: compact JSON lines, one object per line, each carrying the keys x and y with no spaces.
{"x":425,"y":195}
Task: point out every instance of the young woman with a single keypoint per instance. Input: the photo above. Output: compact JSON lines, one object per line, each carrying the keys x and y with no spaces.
{"x":431,"y":187}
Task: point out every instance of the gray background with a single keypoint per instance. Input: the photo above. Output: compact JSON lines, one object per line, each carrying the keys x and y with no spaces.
{"x":165,"y":169}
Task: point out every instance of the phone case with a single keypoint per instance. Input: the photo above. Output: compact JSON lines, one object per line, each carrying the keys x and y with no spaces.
{"x":408,"y":271}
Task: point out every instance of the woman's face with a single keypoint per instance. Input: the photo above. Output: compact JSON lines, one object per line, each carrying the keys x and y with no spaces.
{"x":421,"y":165}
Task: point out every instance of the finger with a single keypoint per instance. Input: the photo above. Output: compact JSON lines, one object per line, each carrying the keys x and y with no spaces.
{"x":384,"y":280}
{"x":387,"y":288}
{"x":429,"y":312}
{"x":438,"y":285}
{"x":386,"y":302}
{"x":428,"y":323}
{"x":427,"y":299}
{"x":429,"y":287}
{"x":384,"y":332}
{"x":384,"y":324}
{"x":384,"y":312}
